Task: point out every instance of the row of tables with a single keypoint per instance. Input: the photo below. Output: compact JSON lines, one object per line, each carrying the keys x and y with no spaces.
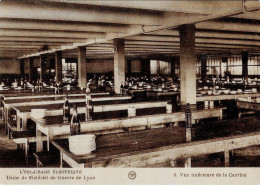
{"x":53,"y":127}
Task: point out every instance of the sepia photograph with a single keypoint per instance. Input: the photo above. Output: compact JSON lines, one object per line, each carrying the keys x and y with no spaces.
{"x":130,"y":92}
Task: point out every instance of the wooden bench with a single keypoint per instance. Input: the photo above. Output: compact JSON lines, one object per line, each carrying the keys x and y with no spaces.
{"x":11,"y":127}
{"x":1,"y":112}
{"x":246,"y":106}
{"x":245,"y":112}
{"x":47,"y":159}
{"x":24,"y":138}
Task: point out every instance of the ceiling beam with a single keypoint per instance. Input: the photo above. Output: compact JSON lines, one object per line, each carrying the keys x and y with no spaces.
{"x":32,"y":43}
{"x":61,"y":25}
{"x":170,"y":20}
{"x":197,"y":7}
{"x":211,"y":34}
{"x":40,"y":39}
{"x":85,"y":13}
{"x":43,"y":33}
{"x":229,"y":26}
{"x":161,"y":43}
{"x":197,"y":40}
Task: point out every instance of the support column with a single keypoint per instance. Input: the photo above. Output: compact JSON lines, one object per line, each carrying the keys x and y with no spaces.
{"x":82,"y":70}
{"x":22,"y":68}
{"x":204,"y":69}
{"x":158,"y":67}
{"x":119,"y":64}
{"x":172,"y":61}
{"x":245,"y":65}
{"x":58,"y":66}
{"x":31,"y":69}
{"x":146,"y":66}
{"x":187,"y":64}
{"x":42,"y":68}
{"x":225,"y":60}
{"x":220,"y":68}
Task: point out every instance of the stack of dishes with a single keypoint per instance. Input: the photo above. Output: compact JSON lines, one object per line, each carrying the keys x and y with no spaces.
{"x":233,"y":92}
{"x":82,"y":144}
{"x":254,"y":90}
{"x":248,"y":91}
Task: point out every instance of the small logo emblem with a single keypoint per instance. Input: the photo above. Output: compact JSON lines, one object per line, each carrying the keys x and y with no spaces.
{"x":132,"y":175}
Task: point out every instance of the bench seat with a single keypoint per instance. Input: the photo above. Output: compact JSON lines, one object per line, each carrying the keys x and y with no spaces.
{"x":47,"y":159}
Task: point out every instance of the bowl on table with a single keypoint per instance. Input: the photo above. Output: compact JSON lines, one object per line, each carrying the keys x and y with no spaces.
{"x":217,"y":92}
{"x":198,"y":94}
{"x":210,"y":92}
{"x":233,"y":92}
{"x":226,"y":91}
{"x":239,"y":91}
{"x":254,"y":90}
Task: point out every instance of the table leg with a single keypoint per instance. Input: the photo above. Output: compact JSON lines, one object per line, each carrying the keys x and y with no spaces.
{"x":221,"y":115}
{"x":39,"y":142}
{"x":211,"y":104}
{"x":188,"y":163}
{"x":226,"y":154}
{"x":49,"y":140}
{"x":61,"y":159}
{"x":206,"y":104}
{"x":24,"y":122}
{"x":18,"y":123}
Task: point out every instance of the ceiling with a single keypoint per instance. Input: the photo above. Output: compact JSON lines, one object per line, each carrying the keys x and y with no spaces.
{"x":29,"y":28}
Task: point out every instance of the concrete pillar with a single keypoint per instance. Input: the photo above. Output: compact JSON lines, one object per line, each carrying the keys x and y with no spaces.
{"x":172,"y":60}
{"x":146,"y":66}
{"x":128,"y":66}
{"x":58,"y":66}
{"x":245,"y":65}
{"x":119,"y":64}
{"x":82,"y":70}
{"x":158,"y":67}
{"x":220,"y":68}
{"x":225,"y":60}
{"x":31,"y":69}
{"x":204,"y":69}
{"x":187,"y":64}
{"x":42,"y":68}
{"x":22,"y":67}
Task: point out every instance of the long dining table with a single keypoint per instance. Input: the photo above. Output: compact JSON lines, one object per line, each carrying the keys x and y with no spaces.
{"x":9,"y":104}
{"x":23,"y":113}
{"x":53,"y":126}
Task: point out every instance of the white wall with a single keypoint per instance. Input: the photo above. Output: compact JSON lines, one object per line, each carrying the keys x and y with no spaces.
{"x":136,"y":66}
{"x":9,"y":66}
{"x":100,"y":66}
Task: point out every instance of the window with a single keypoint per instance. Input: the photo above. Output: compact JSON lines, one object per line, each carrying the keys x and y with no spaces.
{"x":213,"y":66}
{"x":161,"y":67}
{"x":254,"y":65}
{"x":234,"y":65}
